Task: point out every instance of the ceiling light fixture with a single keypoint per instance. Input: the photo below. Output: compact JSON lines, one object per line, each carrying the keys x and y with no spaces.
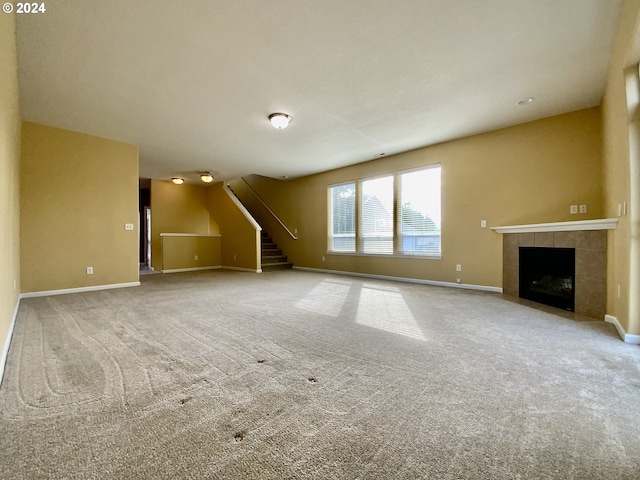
{"x":280,"y":120}
{"x":206,"y":177}
{"x":525,"y":101}
{"x":177,"y":180}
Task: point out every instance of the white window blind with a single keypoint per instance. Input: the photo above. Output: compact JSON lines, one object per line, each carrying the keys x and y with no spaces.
{"x":376,"y":214}
{"x":419,"y":212}
{"x":342,"y":221}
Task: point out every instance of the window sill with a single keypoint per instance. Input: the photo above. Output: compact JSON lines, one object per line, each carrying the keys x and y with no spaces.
{"x":382,"y":255}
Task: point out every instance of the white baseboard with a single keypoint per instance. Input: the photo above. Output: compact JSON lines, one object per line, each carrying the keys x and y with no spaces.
{"x":626,"y":337}
{"x":465,"y":286}
{"x":242,"y":269}
{"x":194,"y":269}
{"x":7,"y":342}
{"x":47,"y":293}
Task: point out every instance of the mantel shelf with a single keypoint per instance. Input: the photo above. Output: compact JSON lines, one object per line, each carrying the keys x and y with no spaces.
{"x":599,"y":224}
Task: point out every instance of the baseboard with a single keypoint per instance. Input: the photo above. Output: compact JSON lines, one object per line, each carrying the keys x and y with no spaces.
{"x":242,"y":269}
{"x":7,"y":342}
{"x":464,"y":286}
{"x":65,"y":291}
{"x":626,"y":337}
{"x":195,"y":269}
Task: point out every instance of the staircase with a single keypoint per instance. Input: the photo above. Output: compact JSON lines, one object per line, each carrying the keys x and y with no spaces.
{"x":272,"y":257}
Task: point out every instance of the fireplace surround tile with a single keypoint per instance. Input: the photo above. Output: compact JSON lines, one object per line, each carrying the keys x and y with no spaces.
{"x":543,"y":239}
{"x":591,"y":263}
{"x":564,"y":239}
{"x":526,"y":239}
{"x":595,"y":239}
{"x":591,"y":266}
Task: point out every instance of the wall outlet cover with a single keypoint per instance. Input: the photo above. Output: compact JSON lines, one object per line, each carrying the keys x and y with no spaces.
{"x":573,"y":209}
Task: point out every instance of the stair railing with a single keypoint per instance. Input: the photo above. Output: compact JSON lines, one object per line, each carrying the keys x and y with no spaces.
{"x":291,"y":234}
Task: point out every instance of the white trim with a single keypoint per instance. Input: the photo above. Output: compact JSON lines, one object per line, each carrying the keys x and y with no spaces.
{"x":465,"y":286}
{"x":599,"y":224}
{"x":194,"y":269}
{"x":7,"y":342}
{"x":47,"y":293}
{"x":190,"y":235}
{"x":626,"y":337}
{"x":241,"y":207}
{"x":242,"y":269}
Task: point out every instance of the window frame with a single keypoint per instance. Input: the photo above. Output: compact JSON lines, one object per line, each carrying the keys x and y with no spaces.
{"x":330,"y":232}
{"x":397,"y":237}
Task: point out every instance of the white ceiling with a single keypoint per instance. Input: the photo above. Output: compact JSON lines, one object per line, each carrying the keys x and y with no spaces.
{"x":192,"y":82}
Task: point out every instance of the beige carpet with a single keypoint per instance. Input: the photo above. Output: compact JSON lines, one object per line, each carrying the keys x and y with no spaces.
{"x":292,"y":374}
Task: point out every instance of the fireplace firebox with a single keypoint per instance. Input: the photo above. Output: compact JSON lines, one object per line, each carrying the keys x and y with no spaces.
{"x":547,"y":275}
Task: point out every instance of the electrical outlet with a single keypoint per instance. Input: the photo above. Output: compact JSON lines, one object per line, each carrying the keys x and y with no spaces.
{"x":483,"y":224}
{"x":234,"y":256}
{"x":458,"y":280}
{"x":89,"y":270}
{"x":128,"y":226}
{"x":196,"y":257}
{"x":323,"y":258}
{"x":458,"y":268}
{"x":573,"y":209}
{"x":583,"y":209}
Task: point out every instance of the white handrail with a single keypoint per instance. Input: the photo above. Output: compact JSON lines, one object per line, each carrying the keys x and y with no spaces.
{"x":269,"y":210}
{"x":241,"y":207}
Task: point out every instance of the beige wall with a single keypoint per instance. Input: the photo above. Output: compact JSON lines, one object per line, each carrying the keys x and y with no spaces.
{"x":529,"y":173}
{"x":177,"y":209}
{"x":9,"y":176}
{"x":616,"y":158}
{"x":200,"y":209}
{"x":240,"y":239}
{"x":191,"y":251}
{"x":77,"y":193}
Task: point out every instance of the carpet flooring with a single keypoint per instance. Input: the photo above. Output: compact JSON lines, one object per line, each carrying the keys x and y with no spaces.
{"x":295,"y":375}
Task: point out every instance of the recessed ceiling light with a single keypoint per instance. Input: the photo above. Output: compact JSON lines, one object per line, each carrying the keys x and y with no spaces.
{"x":280,"y":120}
{"x":177,"y":180}
{"x":206,"y":177}
{"x":525,"y":101}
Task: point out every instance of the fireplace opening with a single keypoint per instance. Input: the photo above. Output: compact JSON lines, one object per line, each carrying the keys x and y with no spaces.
{"x":547,"y":275}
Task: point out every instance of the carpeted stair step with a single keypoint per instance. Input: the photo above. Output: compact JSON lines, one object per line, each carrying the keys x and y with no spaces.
{"x":272,"y":256}
{"x":277,"y":266}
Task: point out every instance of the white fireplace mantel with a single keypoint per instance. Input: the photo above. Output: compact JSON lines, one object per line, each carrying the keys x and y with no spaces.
{"x":599,"y":224}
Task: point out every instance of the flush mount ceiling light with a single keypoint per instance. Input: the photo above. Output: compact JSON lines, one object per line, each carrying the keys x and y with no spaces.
{"x":525,"y":101}
{"x":177,"y":180}
{"x":206,"y":177}
{"x":280,"y":120}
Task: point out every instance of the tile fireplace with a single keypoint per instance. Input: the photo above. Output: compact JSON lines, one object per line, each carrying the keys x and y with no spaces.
{"x":576,"y":271}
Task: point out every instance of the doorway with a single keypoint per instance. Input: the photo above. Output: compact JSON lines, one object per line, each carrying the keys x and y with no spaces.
{"x":145,"y":224}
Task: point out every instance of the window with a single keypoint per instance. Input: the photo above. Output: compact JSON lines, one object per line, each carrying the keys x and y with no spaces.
{"x":342,"y":218}
{"x":376,"y":215}
{"x":397,"y":214}
{"x":419,"y":211}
